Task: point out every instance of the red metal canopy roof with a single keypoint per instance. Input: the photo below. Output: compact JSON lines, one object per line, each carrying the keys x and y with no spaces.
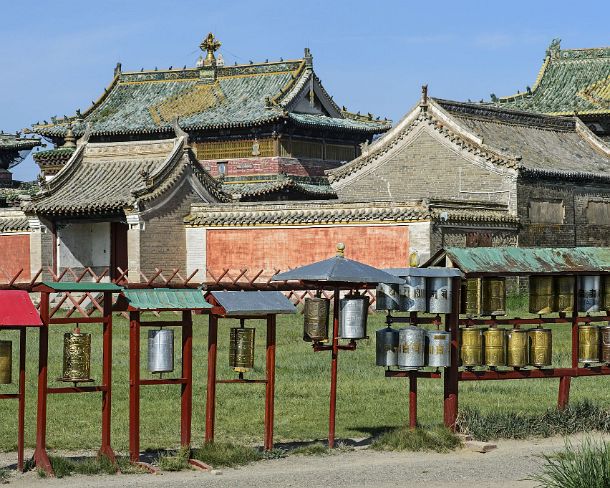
{"x":17,"y":310}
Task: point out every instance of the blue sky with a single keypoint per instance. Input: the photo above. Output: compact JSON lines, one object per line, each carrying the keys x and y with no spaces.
{"x":58,"y":55}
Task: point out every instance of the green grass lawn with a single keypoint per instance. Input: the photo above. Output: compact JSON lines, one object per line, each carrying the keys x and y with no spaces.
{"x":367,"y":401}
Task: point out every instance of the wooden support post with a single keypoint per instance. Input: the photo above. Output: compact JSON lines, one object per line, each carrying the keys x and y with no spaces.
{"x":106,"y":449}
{"x":210,"y":406}
{"x":21,"y":407}
{"x":134,"y":386}
{"x":451,"y":379}
{"x":412,"y":399}
{"x":333,"y":371}
{"x":186,"y":394}
{"x":270,"y":384}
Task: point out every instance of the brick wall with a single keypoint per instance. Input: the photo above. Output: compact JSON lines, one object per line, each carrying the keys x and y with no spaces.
{"x":284,"y":248}
{"x":15,"y":255}
{"x":269,"y":166}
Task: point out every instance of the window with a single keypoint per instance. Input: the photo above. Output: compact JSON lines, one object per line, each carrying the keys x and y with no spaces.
{"x":546,"y":212}
{"x":222,"y":168}
{"x":598,"y":213}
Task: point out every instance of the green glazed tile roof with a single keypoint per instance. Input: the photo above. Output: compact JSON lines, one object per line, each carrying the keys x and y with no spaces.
{"x":316,"y":187}
{"x":165,"y":299}
{"x":54,"y":156}
{"x":569,"y":80}
{"x":312,"y":120}
{"x":241,"y":96}
{"x":14,"y":142}
{"x":81,"y":286}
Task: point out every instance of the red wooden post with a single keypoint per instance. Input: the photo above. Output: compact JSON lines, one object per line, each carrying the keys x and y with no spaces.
{"x":41,"y":458}
{"x":134,"y":386}
{"x":105,"y":449}
{"x":412,"y":399}
{"x":451,"y":378}
{"x":186,"y":394}
{"x":210,"y":405}
{"x":270,"y":385}
{"x":563,"y":397}
{"x":21,"y":413}
{"x":333,"y":372}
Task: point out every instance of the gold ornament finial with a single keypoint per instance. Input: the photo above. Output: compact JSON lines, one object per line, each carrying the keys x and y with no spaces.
{"x":211,"y":45}
{"x":340,"y":250}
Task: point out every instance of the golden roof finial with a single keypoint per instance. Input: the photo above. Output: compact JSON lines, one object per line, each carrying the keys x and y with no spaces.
{"x":340,"y":250}
{"x":211,"y":45}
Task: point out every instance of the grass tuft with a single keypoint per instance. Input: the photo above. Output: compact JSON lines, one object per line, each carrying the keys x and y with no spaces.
{"x":583,"y":416}
{"x":226,"y":454}
{"x":316,"y":449}
{"x":4,"y":475}
{"x":176,"y":461}
{"x":438,"y":439}
{"x":63,"y":466}
{"x":587,"y":466}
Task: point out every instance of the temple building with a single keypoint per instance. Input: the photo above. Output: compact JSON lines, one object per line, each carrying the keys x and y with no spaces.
{"x":13,"y":150}
{"x":570,"y":82}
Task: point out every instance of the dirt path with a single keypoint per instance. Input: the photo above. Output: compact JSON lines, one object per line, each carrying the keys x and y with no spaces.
{"x":507,"y":466}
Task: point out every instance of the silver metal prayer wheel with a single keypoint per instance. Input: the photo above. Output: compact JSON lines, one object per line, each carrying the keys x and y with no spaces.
{"x":315,"y":319}
{"x":439,"y":294}
{"x":413,"y":294}
{"x":386,"y":347}
{"x":471,"y":346}
{"x":161,"y":351}
{"x":438,"y":347}
{"x":353,"y":314}
{"x":387,"y":297}
{"x":493,"y":296}
{"x":77,"y":357}
{"x":411,"y":347}
{"x":542,"y":297}
{"x":589,"y":293}
{"x":241,"y":349}
{"x":6,"y":362}
{"x":588,"y":344}
{"x":564,"y":288}
{"x":541,"y":347}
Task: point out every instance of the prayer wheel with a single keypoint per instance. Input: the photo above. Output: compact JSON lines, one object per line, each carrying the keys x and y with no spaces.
{"x":471,"y":347}
{"x":606,"y":295}
{"x":77,"y":356}
{"x":387,"y":297}
{"x":438,"y":347}
{"x":413,"y":294}
{"x":353,"y":313}
{"x":411,"y":347}
{"x":542,"y":298}
{"x":564,"y":286}
{"x":541,"y":347}
{"x":6,"y":362}
{"x":471,"y":297}
{"x":605,"y":344}
{"x":386,"y":346}
{"x":588,"y":344}
{"x":589,"y":293}
{"x":315,"y":322}
{"x":493,"y":296}
{"x":439,"y":294}
{"x":161,"y":351}
{"x":517,"y":348}
{"x":495,"y":347}
{"x":241,"y":349}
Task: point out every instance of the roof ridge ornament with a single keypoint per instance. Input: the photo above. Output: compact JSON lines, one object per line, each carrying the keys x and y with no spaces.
{"x":308,"y":57}
{"x":554,"y":48}
{"x":69,"y":139}
{"x":424,"y":97}
{"x":340,"y":250}
{"x":211,"y":45}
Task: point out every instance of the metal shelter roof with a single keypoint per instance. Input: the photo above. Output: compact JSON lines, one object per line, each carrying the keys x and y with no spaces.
{"x":339,"y":269}
{"x":480,"y":261}
{"x":17,"y":310}
{"x":80,"y":286}
{"x":163,"y":299}
{"x":431,"y":272}
{"x":254,"y":302}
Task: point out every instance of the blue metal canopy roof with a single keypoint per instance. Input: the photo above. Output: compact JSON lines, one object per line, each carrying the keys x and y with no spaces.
{"x":254,"y":302}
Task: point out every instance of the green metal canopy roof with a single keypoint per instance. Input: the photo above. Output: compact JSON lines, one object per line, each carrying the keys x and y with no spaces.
{"x":481,"y":261}
{"x":83,"y":286}
{"x":164,"y":299}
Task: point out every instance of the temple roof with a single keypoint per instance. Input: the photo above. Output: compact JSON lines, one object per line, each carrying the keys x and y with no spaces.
{"x":212,"y":97}
{"x":255,"y":186}
{"x":523,"y":141}
{"x":107,"y":178}
{"x":570,"y":80}
{"x":14,"y":142}
{"x":13,"y":220}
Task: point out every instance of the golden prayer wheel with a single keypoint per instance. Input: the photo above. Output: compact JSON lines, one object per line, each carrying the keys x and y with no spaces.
{"x":315,"y":321}
{"x":564,"y":286}
{"x":517,"y":348}
{"x":241,"y":349}
{"x":605,"y":343}
{"x":6,"y":362}
{"x":471,"y":297}
{"x":471,"y":347}
{"x":542,"y":298}
{"x":541,"y":347}
{"x":495,"y":347}
{"x":493,"y":296}
{"x":588,"y":344}
{"x":606,"y":292}
{"x":77,"y":356}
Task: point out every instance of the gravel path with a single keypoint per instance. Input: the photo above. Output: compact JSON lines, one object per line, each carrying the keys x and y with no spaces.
{"x":507,"y":466}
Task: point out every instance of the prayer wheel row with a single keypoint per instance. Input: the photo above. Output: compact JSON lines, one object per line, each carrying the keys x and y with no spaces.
{"x":418,"y":294}
{"x":495,"y":347}
{"x":412,"y":347}
{"x":556,"y":293}
{"x":483,"y":296}
{"x":593,"y":344}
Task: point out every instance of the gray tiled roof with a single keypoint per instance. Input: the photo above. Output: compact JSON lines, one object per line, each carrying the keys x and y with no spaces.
{"x":13,"y":221}
{"x":315,"y":187}
{"x":14,"y":142}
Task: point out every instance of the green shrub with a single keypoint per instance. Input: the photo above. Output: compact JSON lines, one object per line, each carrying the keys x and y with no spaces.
{"x":439,"y":439}
{"x":226,"y":454}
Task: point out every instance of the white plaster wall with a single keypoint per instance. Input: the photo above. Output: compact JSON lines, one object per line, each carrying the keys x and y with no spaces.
{"x":419,"y":241}
{"x":196,"y":253}
{"x":82,"y":245}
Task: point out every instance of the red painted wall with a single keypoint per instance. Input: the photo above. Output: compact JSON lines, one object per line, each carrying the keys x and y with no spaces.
{"x":269,"y":249}
{"x":14,"y":256}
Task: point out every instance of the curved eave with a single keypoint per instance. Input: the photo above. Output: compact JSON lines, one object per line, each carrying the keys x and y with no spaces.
{"x":567,"y":175}
{"x":366,"y":130}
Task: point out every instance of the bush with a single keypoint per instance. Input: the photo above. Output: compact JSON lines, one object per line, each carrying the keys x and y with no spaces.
{"x":439,"y":439}
{"x":226,"y":454}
